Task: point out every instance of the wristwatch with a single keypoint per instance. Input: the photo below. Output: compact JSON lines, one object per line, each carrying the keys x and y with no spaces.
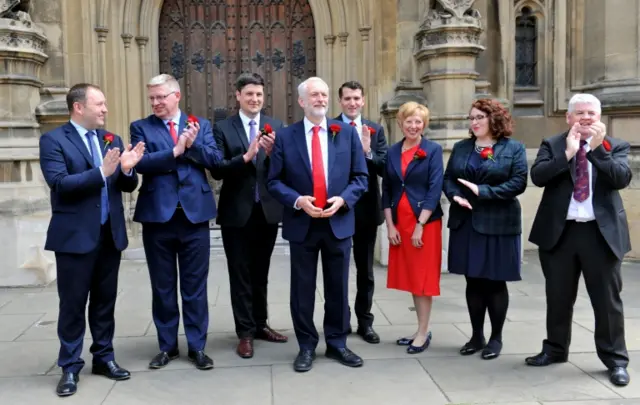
{"x":421,"y":223}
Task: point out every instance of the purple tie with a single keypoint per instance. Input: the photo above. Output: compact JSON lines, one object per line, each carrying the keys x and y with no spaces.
{"x":581,"y":186}
{"x":252,"y":135}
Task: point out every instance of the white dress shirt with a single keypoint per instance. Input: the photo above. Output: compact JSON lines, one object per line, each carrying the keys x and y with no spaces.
{"x":176,"y":120}
{"x":245,"y":123}
{"x":324,"y":147}
{"x":583,"y":211}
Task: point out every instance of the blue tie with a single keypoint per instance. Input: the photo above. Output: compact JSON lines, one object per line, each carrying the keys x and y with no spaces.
{"x":97,"y":162}
{"x":252,"y":135}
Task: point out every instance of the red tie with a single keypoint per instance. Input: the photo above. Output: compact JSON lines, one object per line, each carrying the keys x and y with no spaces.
{"x":352,"y":123}
{"x":172,"y":131}
{"x":319,"y":185}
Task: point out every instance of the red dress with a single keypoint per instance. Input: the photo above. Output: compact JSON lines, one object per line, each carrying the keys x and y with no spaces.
{"x":416,"y":270}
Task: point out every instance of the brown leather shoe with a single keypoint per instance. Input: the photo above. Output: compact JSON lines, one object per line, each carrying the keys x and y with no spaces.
{"x":270,"y":335}
{"x":245,"y":348}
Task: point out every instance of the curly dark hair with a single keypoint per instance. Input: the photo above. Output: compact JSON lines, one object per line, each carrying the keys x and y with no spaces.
{"x":500,"y":121}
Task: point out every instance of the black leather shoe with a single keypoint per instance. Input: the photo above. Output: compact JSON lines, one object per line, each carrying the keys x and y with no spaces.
{"x":344,"y":356}
{"x":492,"y":350}
{"x":304,"y":360}
{"x":68,"y":384}
{"x":619,"y":376}
{"x":163,"y":358}
{"x":201,"y":360}
{"x":544,"y":359}
{"x":111,"y":370}
{"x":368,"y":334}
{"x":472,"y":346}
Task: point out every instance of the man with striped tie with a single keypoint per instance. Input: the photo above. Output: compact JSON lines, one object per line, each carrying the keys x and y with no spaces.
{"x":581,"y":227}
{"x":87,"y":169}
{"x":318,"y":173}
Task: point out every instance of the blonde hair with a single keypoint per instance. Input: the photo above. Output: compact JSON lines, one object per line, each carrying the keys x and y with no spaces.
{"x":164,"y":79}
{"x":412,"y":108}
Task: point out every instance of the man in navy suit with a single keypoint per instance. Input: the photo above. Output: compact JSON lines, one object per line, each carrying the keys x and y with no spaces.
{"x":174,"y":206}
{"x":368,"y":210}
{"x":87,"y":169}
{"x":318,"y":172}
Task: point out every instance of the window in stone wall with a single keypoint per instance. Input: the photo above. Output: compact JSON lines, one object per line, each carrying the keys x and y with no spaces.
{"x":526,"y":48}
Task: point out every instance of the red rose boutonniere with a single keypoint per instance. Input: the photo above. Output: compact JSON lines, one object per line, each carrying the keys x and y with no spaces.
{"x":334,"y":129}
{"x":192,"y":120}
{"x":606,"y":145}
{"x":108,"y":139}
{"x":420,"y":154}
{"x":266,"y":130}
{"x":487,"y":153}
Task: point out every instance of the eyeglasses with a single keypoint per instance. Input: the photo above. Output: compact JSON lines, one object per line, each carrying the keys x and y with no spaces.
{"x":477,"y":118}
{"x":160,"y":98}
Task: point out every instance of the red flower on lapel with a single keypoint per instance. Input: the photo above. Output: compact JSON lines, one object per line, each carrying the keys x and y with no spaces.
{"x":108,"y":139}
{"x":420,"y":154}
{"x":192,"y":120}
{"x":371,"y":130}
{"x":334,"y":129}
{"x":487,"y":153}
{"x":606,"y":145}
{"x":266,"y":130}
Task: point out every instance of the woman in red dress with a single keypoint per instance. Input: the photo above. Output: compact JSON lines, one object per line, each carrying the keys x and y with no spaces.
{"x":412,"y":186}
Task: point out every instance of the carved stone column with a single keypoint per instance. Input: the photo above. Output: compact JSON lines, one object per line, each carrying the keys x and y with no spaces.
{"x":446,"y":48}
{"x":24,"y":197}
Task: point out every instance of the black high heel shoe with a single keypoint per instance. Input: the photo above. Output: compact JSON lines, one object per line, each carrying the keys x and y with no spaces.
{"x":419,"y":349}
{"x":472,"y":347}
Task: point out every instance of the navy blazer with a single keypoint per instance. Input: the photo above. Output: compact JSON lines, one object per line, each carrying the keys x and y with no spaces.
{"x":496,"y":210}
{"x":76,"y":192}
{"x":290,"y":177}
{"x":166,"y":180}
{"x":422,"y":181}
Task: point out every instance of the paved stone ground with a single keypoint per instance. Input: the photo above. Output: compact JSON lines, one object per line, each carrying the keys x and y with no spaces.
{"x":28,"y":349}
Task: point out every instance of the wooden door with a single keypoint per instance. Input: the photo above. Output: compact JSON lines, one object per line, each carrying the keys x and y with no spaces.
{"x":206,"y":44}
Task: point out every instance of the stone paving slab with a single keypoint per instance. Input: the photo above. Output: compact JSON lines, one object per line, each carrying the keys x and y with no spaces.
{"x":28,"y":349}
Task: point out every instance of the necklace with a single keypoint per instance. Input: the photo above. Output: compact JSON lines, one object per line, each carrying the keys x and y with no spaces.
{"x":406,"y":148}
{"x":480,"y":148}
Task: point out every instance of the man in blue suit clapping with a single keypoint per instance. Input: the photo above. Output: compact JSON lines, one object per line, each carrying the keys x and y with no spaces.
{"x":174,"y":206}
{"x":87,"y":169}
{"x":318,"y":172}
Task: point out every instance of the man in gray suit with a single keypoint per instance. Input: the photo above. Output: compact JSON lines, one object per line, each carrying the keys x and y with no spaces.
{"x":581,"y":227}
{"x":247,"y":214}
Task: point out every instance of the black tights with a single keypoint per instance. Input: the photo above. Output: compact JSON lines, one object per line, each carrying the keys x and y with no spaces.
{"x":487,"y":295}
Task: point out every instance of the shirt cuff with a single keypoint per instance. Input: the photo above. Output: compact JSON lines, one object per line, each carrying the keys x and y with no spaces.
{"x":102,"y":174}
{"x":295,"y":204}
{"x":369,"y":155}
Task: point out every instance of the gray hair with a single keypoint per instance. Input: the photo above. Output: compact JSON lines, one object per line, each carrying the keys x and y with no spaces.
{"x":302,"y":87}
{"x":584,"y":98}
{"x":164,"y":79}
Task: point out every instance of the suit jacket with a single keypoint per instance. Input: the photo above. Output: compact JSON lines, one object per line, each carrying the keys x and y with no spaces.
{"x":369,"y":206}
{"x":239,"y":178}
{"x":290,"y":177}
{"x":166,"y":180}
{"x":610,"y":173}
{"x":422,"y":181}
{"x":76,"y":190}
{"x":496,"y":210}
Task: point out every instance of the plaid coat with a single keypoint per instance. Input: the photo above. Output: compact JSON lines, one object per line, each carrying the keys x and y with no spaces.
{"x":496,"y":210}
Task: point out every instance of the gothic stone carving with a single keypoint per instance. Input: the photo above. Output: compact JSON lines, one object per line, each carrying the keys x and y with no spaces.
{"x":456,"y":8}
{"x":15,"y":10}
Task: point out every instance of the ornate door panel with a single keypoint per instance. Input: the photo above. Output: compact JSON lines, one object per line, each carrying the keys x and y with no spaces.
{"x":206,"y":44}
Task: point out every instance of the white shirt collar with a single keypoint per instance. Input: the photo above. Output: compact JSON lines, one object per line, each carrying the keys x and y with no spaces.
{"x":81,"y":130}
{"x":245,"y":120}
{"x":357,"y":120}
{"x":308,"y":125}
{"x":175,"y":119}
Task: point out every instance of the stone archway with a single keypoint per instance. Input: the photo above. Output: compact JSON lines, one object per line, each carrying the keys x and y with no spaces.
{"x":207,"y":44}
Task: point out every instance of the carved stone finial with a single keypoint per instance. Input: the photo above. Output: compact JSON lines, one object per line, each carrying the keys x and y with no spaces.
{"x":15,"y":10}
{"x":456,"y":7}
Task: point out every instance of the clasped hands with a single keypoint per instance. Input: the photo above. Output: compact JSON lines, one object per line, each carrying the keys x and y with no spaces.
{"x":306,"y":203}
{"x":186,"y":138}
{"x":127,"y":159}
{"x":260,"y":141}
{"x":596,"y":131}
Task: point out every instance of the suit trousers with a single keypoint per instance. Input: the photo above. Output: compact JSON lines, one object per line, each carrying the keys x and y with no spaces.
{"x":248,"y":250}
{"x":92,"y":276}
{"x":364,"y":243}
{"x":166,"y":245}
{"x":583,"y":249}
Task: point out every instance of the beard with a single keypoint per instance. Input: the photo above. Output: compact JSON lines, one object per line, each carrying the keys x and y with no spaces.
{"x":316,"y":111}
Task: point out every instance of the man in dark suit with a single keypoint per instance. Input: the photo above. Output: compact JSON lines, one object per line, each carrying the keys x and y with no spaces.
{"x":581,"y":227}
{"x":368,"y":210}
{"x":247,"y":214}
{"x":87,"y":169}
{"x":174,"y":206}
{"x":318,"y":172}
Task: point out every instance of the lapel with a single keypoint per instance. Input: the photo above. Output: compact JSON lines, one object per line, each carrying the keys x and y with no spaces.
{"x":237,"y":124}
{"x":499,"y":147}
{"x":299,"y":138}
{"x":163,"y":130}
{"x":395,"y":156}
{"x":260,"y":158}
{"x":181,"y":125}
{"x":100,"y":134}
{"x":558,"y":150}
{"x":465,"y":148}
{"x":415,"y":162}
{"x":74,"y":137}
{"x":331,"y":151}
